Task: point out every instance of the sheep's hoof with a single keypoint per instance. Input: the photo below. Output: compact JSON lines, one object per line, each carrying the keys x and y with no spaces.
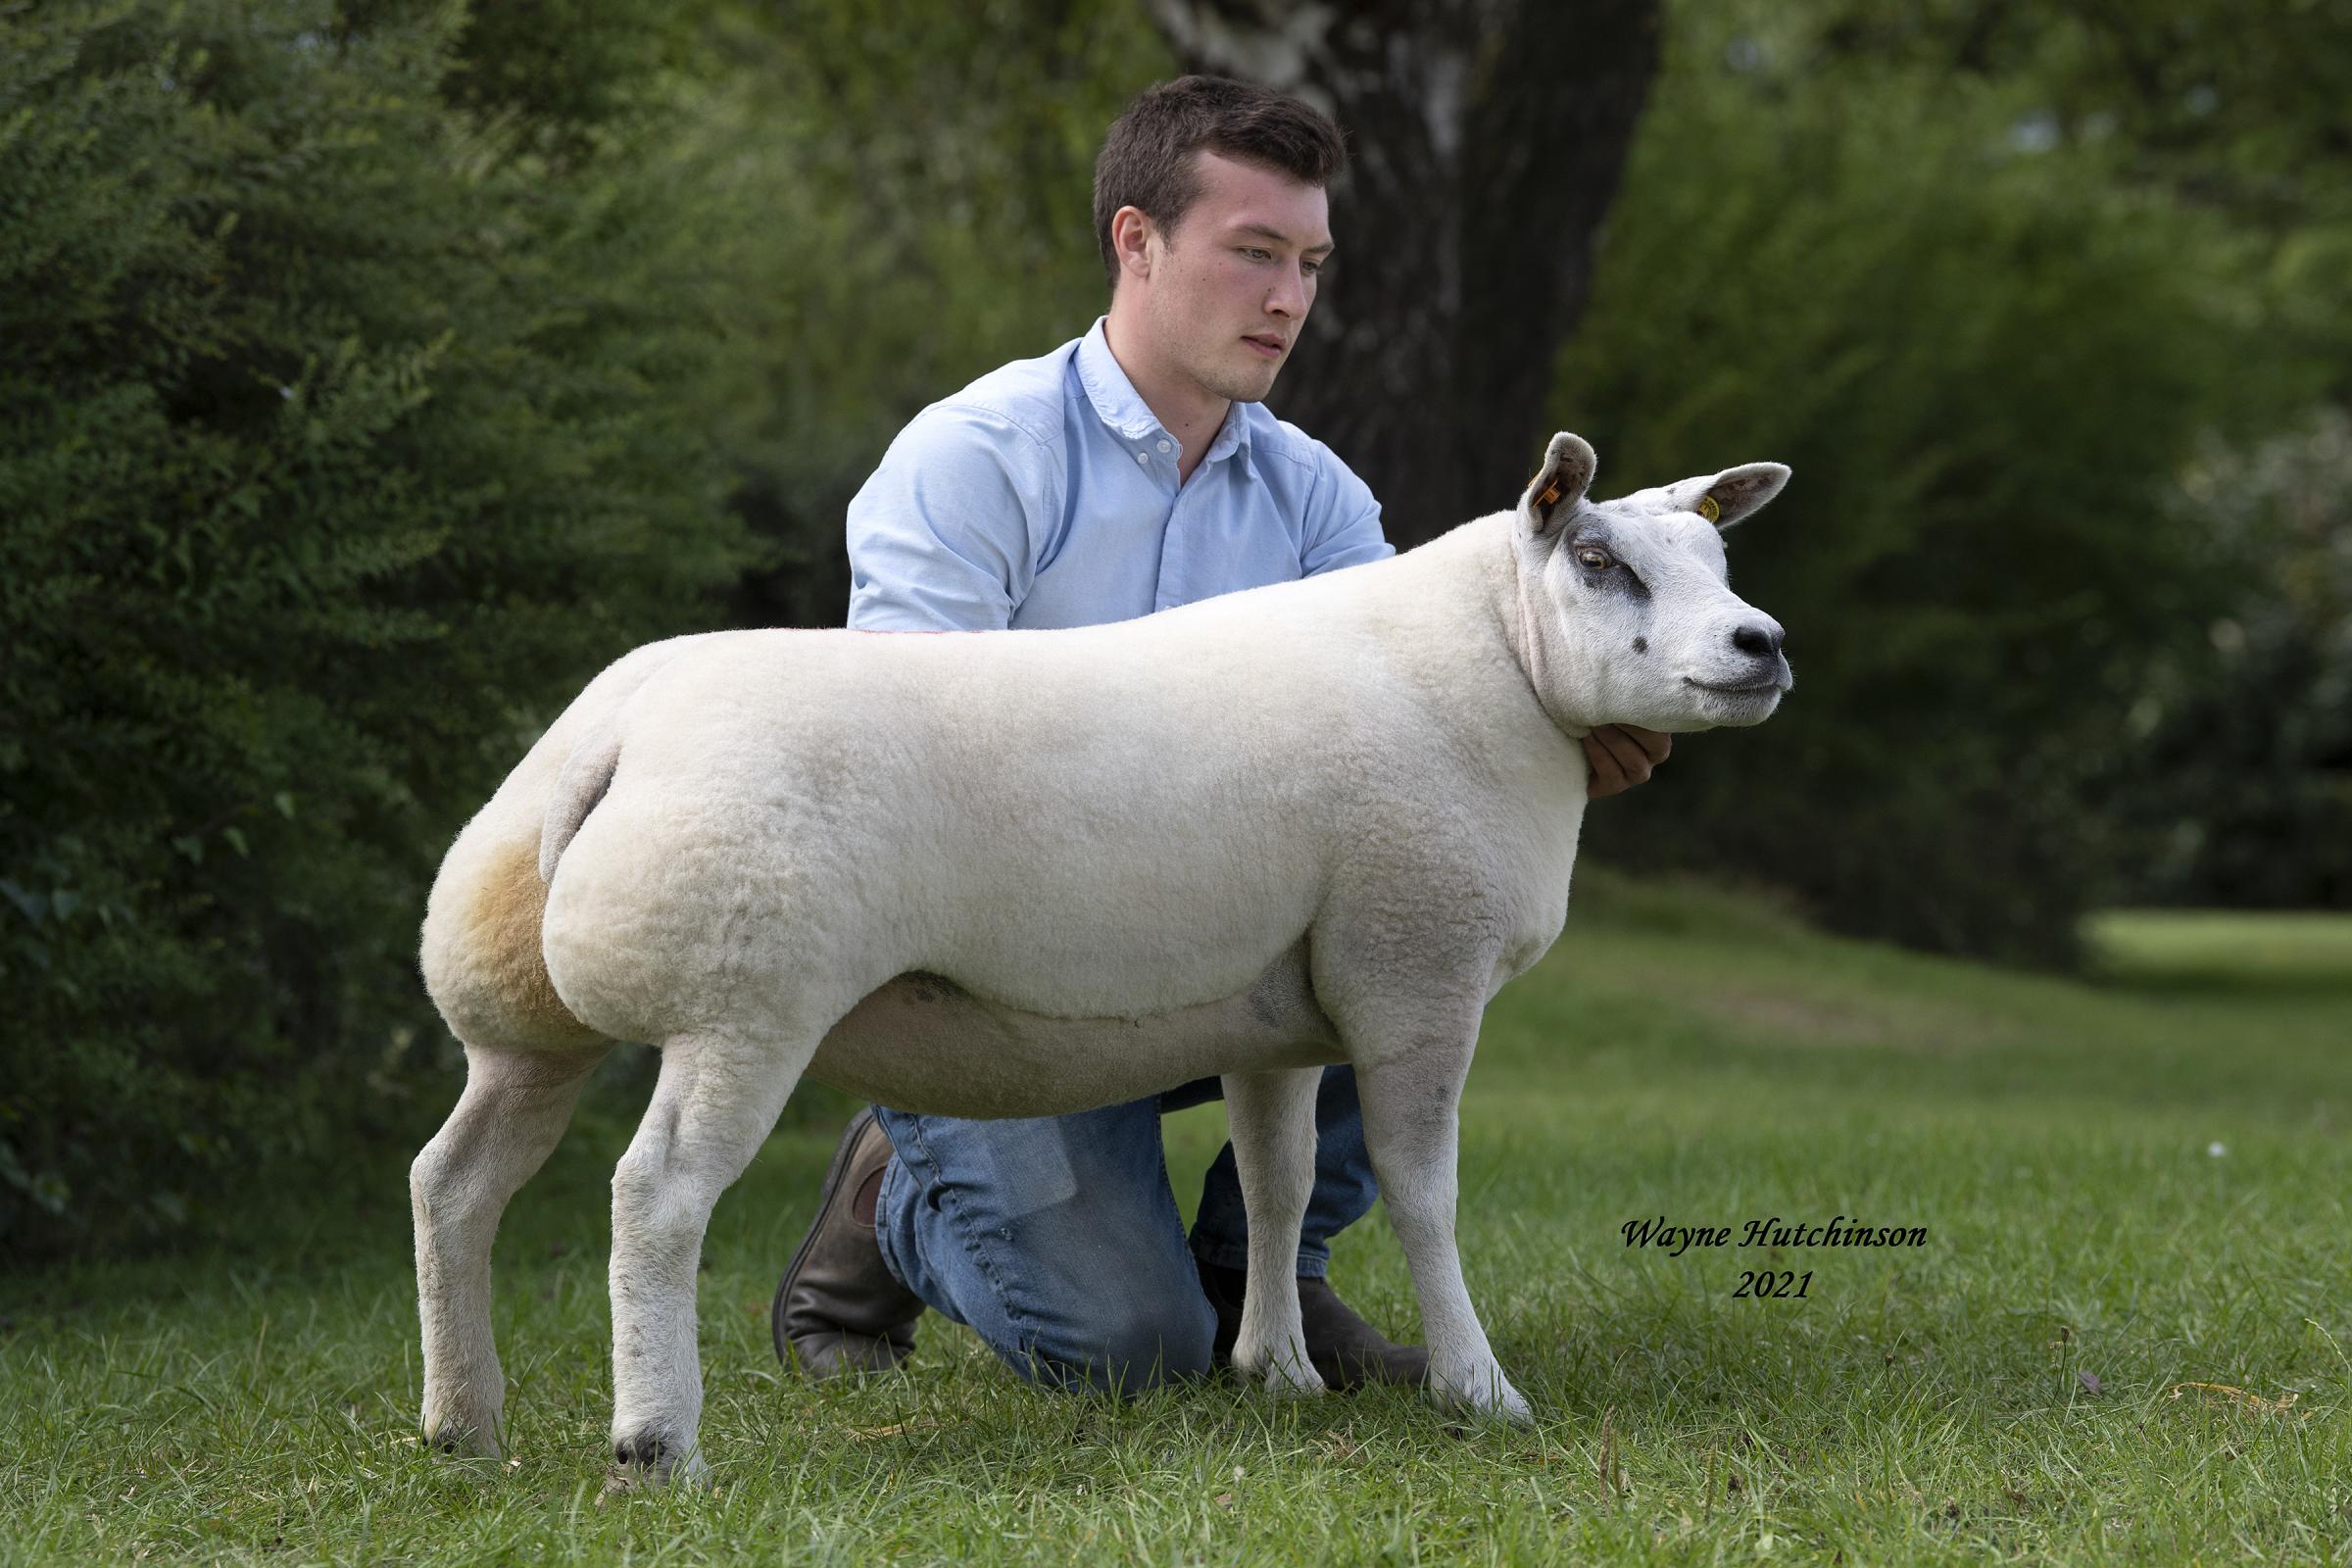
{"x":648,"y":1461}
{"x":1481,"y":1392}
{"x":1295,"y":1383}
{"x":1284,"y":1372}
{"x":459,"y":1439}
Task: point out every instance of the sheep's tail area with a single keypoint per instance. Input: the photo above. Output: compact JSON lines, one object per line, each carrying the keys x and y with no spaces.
{"x":587,"y":773}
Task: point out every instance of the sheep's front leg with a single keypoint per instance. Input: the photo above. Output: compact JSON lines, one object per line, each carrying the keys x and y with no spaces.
{"x":1412,"y":1103}
{"x":716,"y":1101}
{"x":1272,"y":1118}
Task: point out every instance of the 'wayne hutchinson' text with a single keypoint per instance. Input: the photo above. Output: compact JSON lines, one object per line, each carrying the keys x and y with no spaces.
{"x":1675,"y":1239}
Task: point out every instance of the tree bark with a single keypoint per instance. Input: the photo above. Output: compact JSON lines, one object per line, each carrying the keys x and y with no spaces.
{"x":1485,"y":140}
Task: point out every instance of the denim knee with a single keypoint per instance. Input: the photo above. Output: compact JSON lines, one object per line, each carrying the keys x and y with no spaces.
{"x":1123,"y":1344}
{"x":1056,"y":1239}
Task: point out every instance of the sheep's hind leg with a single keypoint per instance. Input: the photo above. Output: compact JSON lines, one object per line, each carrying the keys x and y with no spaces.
{"x":514,"y":1108}
{"x":1273,"y":1122}
{"x":716,"y":1101}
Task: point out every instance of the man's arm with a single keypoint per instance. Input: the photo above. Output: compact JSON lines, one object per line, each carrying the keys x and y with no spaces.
{"x":1342,"y":528}
{"x":941,"y":536}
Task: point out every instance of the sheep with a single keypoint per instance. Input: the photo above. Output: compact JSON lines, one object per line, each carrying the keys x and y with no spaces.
{"x":1032,"y":872}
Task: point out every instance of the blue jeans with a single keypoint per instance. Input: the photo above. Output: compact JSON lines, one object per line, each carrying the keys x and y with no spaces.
{"x":1056,"y":1237}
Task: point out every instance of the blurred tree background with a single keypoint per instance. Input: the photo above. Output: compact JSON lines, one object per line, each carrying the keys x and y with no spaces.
{"x":372,"y":373}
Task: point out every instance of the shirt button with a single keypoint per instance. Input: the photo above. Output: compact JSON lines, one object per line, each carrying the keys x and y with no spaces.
{"x":1163,"y":446}
{"x":1144,"y":458}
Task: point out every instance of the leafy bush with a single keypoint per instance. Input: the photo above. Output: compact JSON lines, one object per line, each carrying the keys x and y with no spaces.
{"x":344,"y":435}
{"x":2242,"y":793}
{"x":1987,"y":358}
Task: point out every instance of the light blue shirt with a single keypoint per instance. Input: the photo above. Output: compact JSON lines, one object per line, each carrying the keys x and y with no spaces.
{"x":1044,"y":494}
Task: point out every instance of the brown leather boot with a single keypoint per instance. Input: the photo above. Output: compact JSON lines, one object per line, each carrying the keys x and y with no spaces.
{"x":1347,"y":1352}
{"x":839,"y":1308}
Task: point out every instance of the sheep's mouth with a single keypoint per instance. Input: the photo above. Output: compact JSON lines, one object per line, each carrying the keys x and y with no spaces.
{"x":1751,"y":689}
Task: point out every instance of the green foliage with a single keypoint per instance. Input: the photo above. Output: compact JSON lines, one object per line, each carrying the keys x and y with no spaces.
{"x":2242,"y":793}
{"x":343,"y":439}
{"x":565,"y":74}
{"x":2242,"y":113}
{"x":1987,"y":356}
{"x":2237,"y":115}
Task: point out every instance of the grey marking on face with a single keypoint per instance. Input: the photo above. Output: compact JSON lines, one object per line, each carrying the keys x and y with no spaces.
{"x":1593,"y":533}
{"x":1641,"y":645}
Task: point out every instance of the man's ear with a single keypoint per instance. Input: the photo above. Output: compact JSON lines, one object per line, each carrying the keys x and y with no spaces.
{"x":1131,"y":240}
{"x":1551,"y":497}
{"x":1732,"y":495}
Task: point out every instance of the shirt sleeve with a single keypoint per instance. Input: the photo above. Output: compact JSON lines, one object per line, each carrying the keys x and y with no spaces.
{"x":942,"y":535}
{"x":1343,"y":524}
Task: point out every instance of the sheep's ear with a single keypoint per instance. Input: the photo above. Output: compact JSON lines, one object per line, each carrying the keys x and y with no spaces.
{"x":1552,"y":494}
{"x":1732,"y":495}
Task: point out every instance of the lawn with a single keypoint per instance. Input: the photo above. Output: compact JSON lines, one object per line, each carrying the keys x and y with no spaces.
{"x":2126,"y":1335}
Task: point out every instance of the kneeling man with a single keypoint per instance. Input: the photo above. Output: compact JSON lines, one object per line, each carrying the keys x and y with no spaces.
{"x":1131,"y":471}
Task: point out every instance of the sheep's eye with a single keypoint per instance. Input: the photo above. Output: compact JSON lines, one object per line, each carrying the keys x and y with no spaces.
{"x":1595,"y":558}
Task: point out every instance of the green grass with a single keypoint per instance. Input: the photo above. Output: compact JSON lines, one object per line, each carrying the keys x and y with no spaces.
{"x":2128,"y":1183}
{"x":2198,"y":948}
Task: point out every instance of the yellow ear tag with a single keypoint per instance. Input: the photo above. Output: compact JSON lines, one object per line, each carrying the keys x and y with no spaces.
{"x":1552,"y":493}
{"x":1709,"y":510}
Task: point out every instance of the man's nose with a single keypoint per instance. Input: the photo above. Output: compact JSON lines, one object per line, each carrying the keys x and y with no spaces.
{"x":1290,"y":295}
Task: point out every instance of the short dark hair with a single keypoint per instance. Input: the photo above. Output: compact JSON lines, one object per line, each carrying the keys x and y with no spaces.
{"x":1146,"y":161}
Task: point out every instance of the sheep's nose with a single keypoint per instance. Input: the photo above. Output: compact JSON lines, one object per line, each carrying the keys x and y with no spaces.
{"x":1757,"y":642}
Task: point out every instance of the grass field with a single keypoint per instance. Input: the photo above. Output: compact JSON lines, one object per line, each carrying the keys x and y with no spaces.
{"x":2132,"y":1186}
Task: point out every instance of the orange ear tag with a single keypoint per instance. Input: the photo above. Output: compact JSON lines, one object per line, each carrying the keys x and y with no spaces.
{"x":1709,"y":510}
{"x":1552,"y":493}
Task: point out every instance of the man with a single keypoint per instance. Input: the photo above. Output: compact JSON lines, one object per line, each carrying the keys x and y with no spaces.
{"x":1129,"y":471}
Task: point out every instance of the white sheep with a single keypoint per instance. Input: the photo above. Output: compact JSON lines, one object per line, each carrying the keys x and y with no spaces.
{"x":1024,"y":873}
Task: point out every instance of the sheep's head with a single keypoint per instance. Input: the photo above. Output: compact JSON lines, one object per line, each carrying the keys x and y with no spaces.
{"x":1627,"y":603}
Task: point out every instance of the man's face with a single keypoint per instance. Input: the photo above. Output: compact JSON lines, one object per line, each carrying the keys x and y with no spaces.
{"x":1231,"y":285}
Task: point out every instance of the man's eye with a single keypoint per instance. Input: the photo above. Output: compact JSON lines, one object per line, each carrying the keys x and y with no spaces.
{"x":1257,"y":255}
{"x":1310,"y":268}
{"x":1595,"y":558}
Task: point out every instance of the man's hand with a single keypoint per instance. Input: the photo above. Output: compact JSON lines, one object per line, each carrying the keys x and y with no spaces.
{"x":1621,"y":756}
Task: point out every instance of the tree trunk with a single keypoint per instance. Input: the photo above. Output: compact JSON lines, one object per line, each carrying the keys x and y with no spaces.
{"x":1486,"y":139}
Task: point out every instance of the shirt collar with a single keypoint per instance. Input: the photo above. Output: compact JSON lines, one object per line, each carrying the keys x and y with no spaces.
{"x":1119,"y":406}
